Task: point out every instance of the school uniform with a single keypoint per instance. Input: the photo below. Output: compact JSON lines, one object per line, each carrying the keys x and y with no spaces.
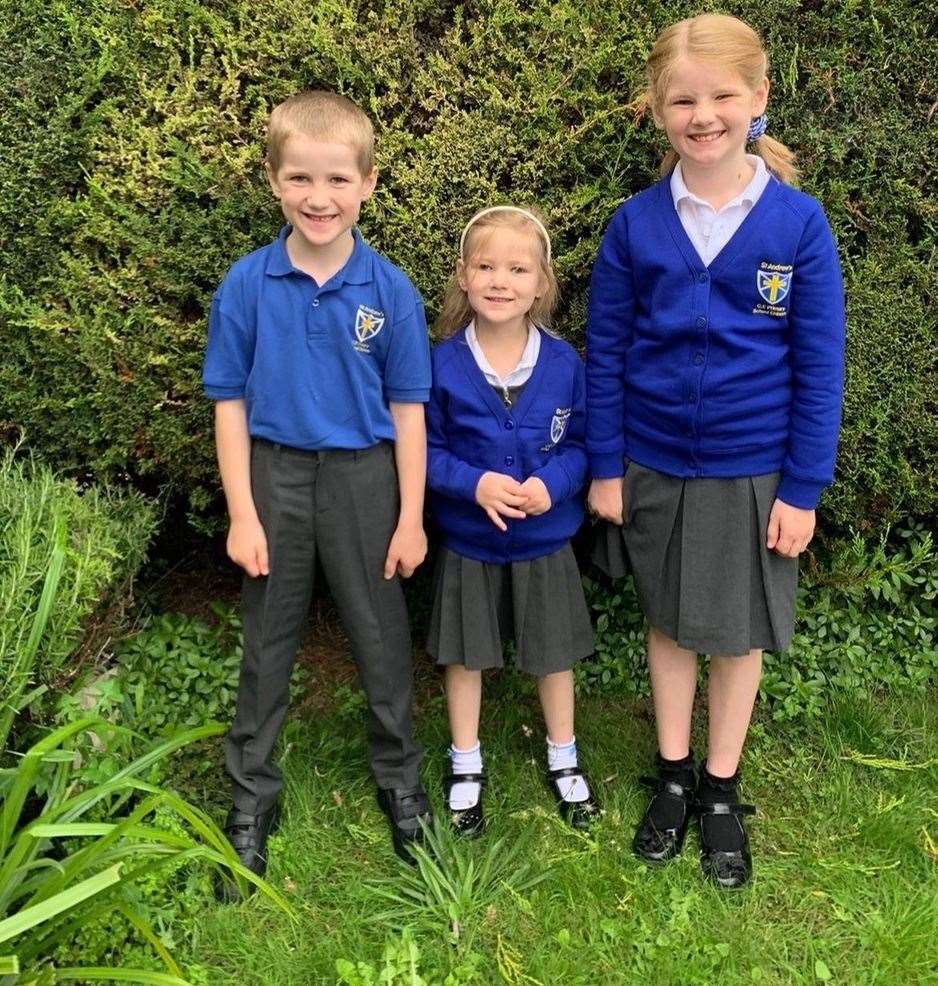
{"x":522,"y":583}
{"x":317,"y":367}
{"x":714,"y":384}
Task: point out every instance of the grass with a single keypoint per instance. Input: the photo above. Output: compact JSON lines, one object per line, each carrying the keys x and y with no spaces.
{"x":846,"y":887}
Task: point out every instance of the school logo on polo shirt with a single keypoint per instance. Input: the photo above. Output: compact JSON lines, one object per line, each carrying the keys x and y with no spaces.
{"x":773,"y":282}
{"x":558,"y":427}
{"x":368,"y":323}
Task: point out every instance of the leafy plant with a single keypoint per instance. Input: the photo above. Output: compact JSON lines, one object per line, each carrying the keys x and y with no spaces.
{"x":453,"y":882}
{"x":179,"y":671}
{"x":400,"y":966}
{"x":73,"y":856}
{"x":63,"y":555}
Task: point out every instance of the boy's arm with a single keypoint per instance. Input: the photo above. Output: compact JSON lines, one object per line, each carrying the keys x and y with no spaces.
{"x":247,"y":543}
{"x":408,"y":546}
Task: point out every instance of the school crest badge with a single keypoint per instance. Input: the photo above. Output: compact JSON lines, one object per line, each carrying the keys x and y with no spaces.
{"x":558,"y":427}
{"x":368,"y":323}
{"x":773,"y":285}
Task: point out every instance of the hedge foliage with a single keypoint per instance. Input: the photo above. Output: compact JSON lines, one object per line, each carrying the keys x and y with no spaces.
{"x":130,"y":172}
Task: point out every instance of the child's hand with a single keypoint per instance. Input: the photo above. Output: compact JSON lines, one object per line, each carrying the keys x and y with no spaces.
{"x":498,"y":494}
{"x":605,"y":499}
{"x":790,"y":529}
{"x":407,"y":550}
{"x":537,"y":498}
{"x":247,"y":546}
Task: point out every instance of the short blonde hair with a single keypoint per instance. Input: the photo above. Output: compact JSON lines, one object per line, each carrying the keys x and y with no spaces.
{"x":324,"y":116}
{"x":456,"y":312}
{"x":730,"y":43}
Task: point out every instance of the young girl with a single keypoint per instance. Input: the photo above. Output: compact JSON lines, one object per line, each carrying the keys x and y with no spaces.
{"x":714,"y":381}
{"x":506,"y":468}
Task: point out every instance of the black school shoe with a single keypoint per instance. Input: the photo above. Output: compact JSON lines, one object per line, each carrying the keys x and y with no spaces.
{"x":408,"y":811}
{"x":661,"y":832}
{"x":579,"y":814}
{"x":724,"y":845}
{"x":248,"y":836}
{"x":468,"y":822}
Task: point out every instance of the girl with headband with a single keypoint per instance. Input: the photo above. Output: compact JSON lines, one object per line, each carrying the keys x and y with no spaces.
{"x":507,"y":463}
{"x":715,"y":376}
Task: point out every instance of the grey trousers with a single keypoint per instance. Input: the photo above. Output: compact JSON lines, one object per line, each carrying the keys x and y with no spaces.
{"x":341,"y":506}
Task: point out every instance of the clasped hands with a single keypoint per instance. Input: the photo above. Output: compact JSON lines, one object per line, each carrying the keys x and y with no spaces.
{"x":503,"y":496}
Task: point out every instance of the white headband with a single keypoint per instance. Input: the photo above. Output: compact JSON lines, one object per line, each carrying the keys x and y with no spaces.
{"x":505,"y":208}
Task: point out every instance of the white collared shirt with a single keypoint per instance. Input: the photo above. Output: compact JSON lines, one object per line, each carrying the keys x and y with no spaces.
{"x":708,"y":229}
{"x":521,"y":373}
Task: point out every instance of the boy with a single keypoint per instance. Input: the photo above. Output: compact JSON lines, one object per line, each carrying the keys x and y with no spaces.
{"x":318,"y":361}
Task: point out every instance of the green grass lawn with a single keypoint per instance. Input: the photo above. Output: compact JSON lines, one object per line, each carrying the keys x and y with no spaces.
{"x":846,"y":886}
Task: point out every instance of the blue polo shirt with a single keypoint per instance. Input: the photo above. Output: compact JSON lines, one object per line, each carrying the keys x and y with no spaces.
{"x":317,"y":366}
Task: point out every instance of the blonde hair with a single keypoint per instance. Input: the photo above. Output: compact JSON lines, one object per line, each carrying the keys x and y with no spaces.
{"x":324,"y":116}
{"x":732,"y":44}
{"x":455,"y":311}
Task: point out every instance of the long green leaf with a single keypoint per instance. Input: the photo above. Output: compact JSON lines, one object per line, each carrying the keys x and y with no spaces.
{"x":69,"y":830}
{"x":9,"y":965}
{"x":122,"y":976}
{"x":162,"y":750}
{"x":145,"y":929}
{"x":24,"y":661}
{"x":26,"y":774}
{"x":29,"y":917}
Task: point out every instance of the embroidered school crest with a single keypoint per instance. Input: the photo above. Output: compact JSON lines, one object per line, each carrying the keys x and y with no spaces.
{"x":773,"y":285}
{"x":368,"y":323}
{"x":558,"y":427}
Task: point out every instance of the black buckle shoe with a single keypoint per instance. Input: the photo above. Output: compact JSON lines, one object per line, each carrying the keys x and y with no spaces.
{"x":579,"y":814}
{"x":729,"y":870}
{"x":408,"y":811}
{"x":470,"y":821}
{"x":656,"y":845}
{"x":248,"y":837}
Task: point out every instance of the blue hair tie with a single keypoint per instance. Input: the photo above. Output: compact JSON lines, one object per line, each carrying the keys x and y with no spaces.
{"x":757,"y":127}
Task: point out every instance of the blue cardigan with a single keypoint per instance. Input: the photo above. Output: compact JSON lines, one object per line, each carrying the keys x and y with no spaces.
{"x":470,"y":432}
{"x":735,"y":369}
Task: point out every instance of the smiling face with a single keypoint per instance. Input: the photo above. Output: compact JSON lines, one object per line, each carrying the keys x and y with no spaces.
{"x":321,"y":190}
{"x":502,"y":274}
{"x":706,"y":110}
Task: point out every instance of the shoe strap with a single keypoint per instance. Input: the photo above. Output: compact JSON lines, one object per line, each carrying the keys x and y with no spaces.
{"x":663,"y":785}
{"x":725,"y":808}
{"x":238,"y":819}
{"x":451,"y":779}
{"x":561,"y":772}
{"x":410,"y":804}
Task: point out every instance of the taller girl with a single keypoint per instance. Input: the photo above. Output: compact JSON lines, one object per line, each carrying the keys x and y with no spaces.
{"x":714,"y":383}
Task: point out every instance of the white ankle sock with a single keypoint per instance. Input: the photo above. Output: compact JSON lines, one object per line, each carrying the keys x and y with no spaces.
{"x":560,"y":755}
{"x":465,"y":795}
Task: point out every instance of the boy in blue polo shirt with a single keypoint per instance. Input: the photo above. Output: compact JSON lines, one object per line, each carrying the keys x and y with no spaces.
{"x":318,"y":362}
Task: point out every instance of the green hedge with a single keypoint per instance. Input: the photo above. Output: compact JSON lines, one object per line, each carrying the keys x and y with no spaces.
{"x":130,"y":172}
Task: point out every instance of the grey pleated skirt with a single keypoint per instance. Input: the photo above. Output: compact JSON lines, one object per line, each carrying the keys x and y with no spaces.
{"x":478,"y":607}
{"x":703,"y":574}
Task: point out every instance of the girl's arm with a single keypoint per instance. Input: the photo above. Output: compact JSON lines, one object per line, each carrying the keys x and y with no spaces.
{"x":816,"y":353}
{"x":497,"y":494}
{"x":608,"y":332}
{"x":446,"y":473}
